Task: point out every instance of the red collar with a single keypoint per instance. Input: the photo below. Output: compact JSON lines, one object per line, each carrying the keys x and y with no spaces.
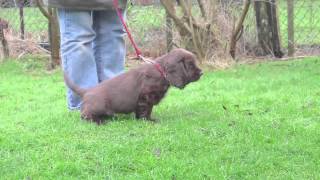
{"x":160,"y":69}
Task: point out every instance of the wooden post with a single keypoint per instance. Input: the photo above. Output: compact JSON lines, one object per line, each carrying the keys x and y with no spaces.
{"x":4,"y":43}
{"x":291,"y":45}
{"x":21,"y":15}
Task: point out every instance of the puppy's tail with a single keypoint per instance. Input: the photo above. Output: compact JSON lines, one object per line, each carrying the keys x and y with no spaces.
{"x":78,"y":90}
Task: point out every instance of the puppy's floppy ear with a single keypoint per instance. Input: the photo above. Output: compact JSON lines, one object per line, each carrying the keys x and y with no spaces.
{"x":177,"y":72}
{"x":181,"y":68}
{"x":182,"y":63}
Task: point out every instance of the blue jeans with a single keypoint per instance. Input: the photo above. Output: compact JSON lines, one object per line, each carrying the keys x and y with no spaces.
{"x":92,"y":48}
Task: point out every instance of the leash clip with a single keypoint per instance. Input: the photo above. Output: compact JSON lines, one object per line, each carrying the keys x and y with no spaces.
{"x":157,"y":65}
{"x":147,"y":60}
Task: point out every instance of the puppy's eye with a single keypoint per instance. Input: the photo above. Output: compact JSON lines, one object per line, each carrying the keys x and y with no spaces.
{"x":191,"y":65}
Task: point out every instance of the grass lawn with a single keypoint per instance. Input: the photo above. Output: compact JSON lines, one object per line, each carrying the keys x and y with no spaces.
{"x":250,"y":122}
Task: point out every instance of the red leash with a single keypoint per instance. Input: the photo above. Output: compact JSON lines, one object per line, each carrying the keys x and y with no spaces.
{"x":138,"y":52}
{"x":116,"y":5}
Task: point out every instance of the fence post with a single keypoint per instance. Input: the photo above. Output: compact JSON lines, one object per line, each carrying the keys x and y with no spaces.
{"x":21,"y":15}
{"x":4,"y":43}
{"x":291,"y":45}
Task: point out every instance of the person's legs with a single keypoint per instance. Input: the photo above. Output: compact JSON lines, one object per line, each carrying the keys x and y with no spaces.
{"x":109,"y":45}
{"x":77,"y":54}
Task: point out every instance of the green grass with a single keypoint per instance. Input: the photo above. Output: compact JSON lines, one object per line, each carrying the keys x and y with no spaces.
{"x":249,"y":122}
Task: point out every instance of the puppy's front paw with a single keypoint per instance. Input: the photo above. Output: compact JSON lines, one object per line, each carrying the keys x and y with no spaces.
{"x":151,"y":119}
{"x":98,"y":121}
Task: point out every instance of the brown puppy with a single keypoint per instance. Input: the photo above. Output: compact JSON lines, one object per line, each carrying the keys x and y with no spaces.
{"x":138,"y":90}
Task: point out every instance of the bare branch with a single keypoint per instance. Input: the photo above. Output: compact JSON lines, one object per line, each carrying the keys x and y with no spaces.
{"x":186,"y":8}
{"x":202,"y":8}
{"x":197,"y":33}
{"x":196,"y":41}
{"x":169,"y":5}
{"x":237,"y":30}
{"x":40,"y":5}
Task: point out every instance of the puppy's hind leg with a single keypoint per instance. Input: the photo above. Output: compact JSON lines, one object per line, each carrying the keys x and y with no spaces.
{"x":96,"y":113}
{"x":98,"y":119}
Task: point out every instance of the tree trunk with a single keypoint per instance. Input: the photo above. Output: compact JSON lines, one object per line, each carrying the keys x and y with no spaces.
{"x":169,"y":32}
{"x":54,"y":35}
{"x":267,"y":27}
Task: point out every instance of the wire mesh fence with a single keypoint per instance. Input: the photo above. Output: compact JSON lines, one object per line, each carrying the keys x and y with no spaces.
{"x":25,"y":19}
{"x":148,"y":24}
{"x":306,"y":25}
